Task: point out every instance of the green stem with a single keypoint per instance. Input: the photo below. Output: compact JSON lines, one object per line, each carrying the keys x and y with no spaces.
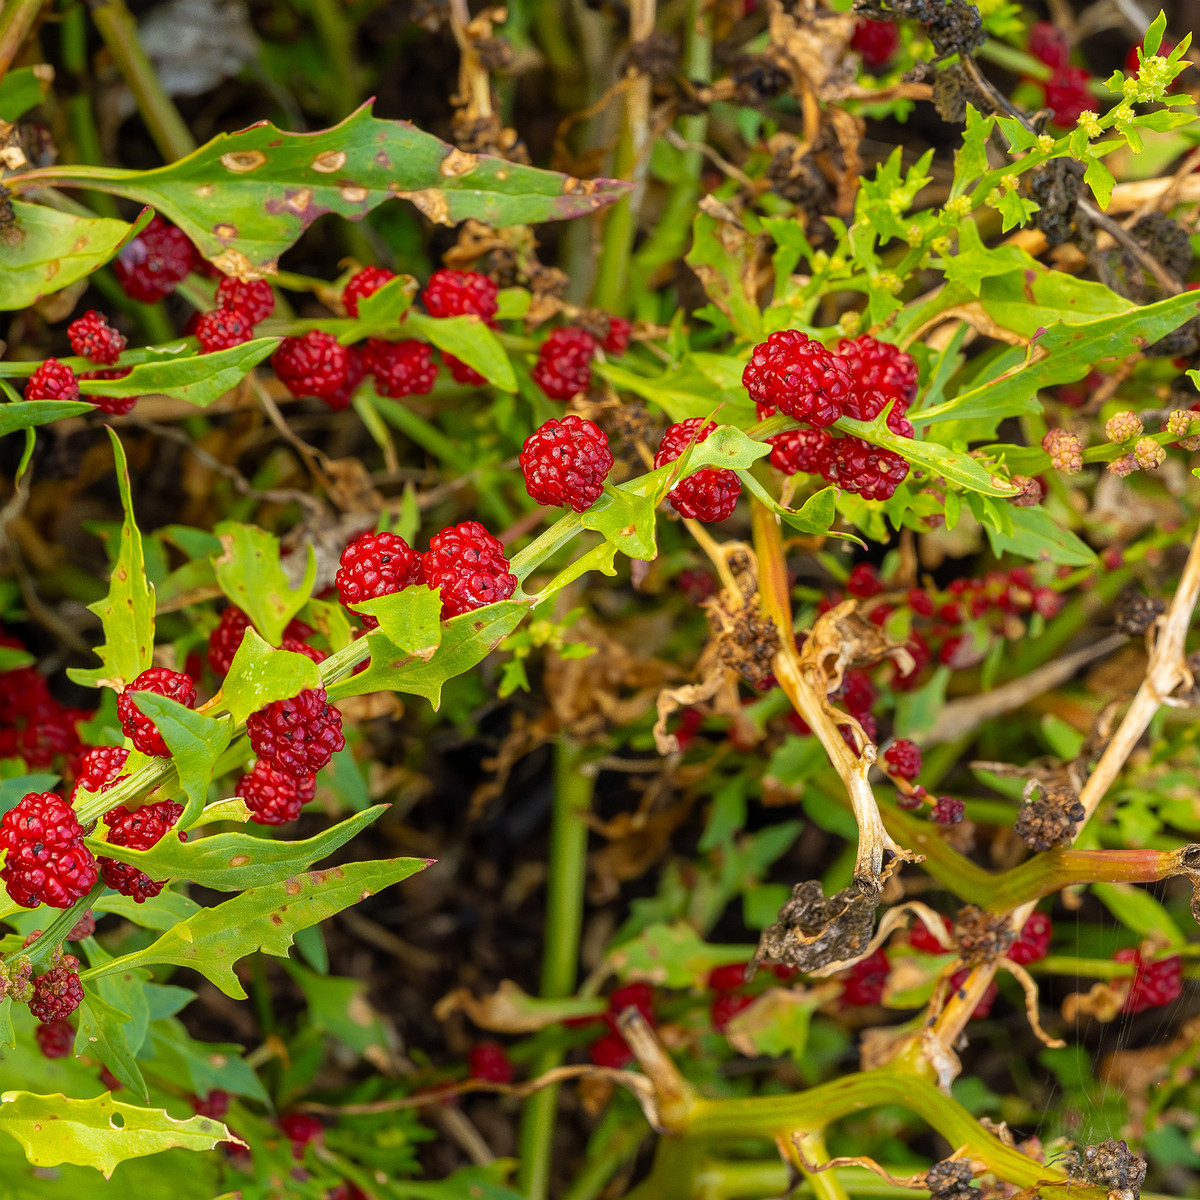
{"x":560,"y":962}
{"x":16,"y":20}
{"x":762,"y":1180}
{"x":53,"y":936}
{"x":119,"y":31}
{"x":337,"y":38}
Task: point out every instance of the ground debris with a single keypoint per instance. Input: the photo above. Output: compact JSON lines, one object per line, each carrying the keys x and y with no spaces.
{"x":814,"y":930}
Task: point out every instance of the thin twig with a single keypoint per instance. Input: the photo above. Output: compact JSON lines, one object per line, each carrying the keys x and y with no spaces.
{"x":312,"y":457}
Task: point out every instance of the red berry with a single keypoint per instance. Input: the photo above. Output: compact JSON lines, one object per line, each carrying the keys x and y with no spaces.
{"x":798,"y":450}
{"x":57,"y":993}
{"x":100,"y":769}
{"x":566,"y":462}
{"x":376,"y":564}
{"x":1047,"y":602}
{"x":610,"y":1050}
{"x":108,"y":1079}
{"x":1048,"y":44}
{"x":275,"y":797}
{"x":727,"y":978}
{"x":562,"y":369}
{"x":1067,"y":95}
{"x":709,"y":494}
{"x":877,"y":367}
{"x":52,"y":381}
{"x":297,"y":735}
{"x":251,"y":297}
{"x":467,"y":563}
{"x":214,"y":1105}
{"x":616,"y":341}
{"x":792,"y":373}
{"x":1155,"y":983}
{"x":297,"y":646}
{"x":400,"y":368}
{"x":1033,"y":942}
{"x":139,"y":830}
{"x":47,"y":861}
{"x":222,"y":329}
{"x":315,"y":365}
{"x":630,"y":995}
{"x":224,"y":641}
{"x":55,"y":1039}
{"x":454,"y":293}
{"x":461,"y":373}
{"x":861,"y":467}
{"x":138,"y":727}
{"x":876,"y":41}
{"x":903,"y":758}
{"x":725,"y":1007}
{"x":984,"y":1007}
{"x":947,"y":811}
{"x":118,"y":406}
{"x":857,"y":693}
{"x":490,"y":1061}
{"x":93,"y":338}
{"x":920,"y":602}
{"x":919,"y":937}
{"x":864,"y":982}
{"x":863,"y":581}
{"x":368,"y":281}
{"x":300,"y":1129}
{"x":151,"y":265}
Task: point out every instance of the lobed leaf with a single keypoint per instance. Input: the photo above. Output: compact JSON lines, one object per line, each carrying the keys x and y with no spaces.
{"x":199,"y":378}
{"x":262,"y":918}
{"x":410,"y":619}
{"x":101,"y":1132}
{"x":260,"y":674}
{"x":250,"y":573}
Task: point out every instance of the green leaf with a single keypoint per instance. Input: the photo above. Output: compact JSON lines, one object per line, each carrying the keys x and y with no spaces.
{"x":721,"y":255}
{"x":1139,"y":911}
{"x":341,"y":1007}
{"x":103,"y":1033}
{"x":466,"y":641}
{"x":727,"y":446}
{"x":380,"y":312}
{"x":250,"y":573}
{"x":468,"y":338}
{"x":778,"y":1020}
{"x":231,"y":862}
{"x":207,"y":1065}
{"x":260,"y":674}
{"x":25,"y":414}
{"x":1037,"y":535}
{"x":21,"y":89}
{"x":262,"y":918}
{"x":680,"y":394}
{"x":626,"y":520}
{"x":674,"y":956}
{"x":101,"y":1132}
{"x":410,"y":619}
{"x":195,"y":740}
{"x":127,"y":612}
{"x":46,"y":250}
{"x":199,"y":379}
{"x":245,"y":197}
{"x":1065,"y":353}
{"x":1153,"y":37}
{"x":8,"y":1036}
{"x":1100,"y":179}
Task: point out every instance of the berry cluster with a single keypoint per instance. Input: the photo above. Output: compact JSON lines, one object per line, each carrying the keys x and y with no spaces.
{"x":610,"y":1049}
{"x":710,"y":494}
{"x":136,"y":725}
{"x":457,"y":294}
{"x":792,"y":374}
{"x":1156,"y":982}
{"x":864,"y":983}
{"x":152,"y":265}
{"x":34,"y":726}
{"x":1066,"y":91}
{"x":566,"y":462}
{"x":876,"y":42}
{"x":489,"y":1061}
{"x":139,"y":830}
{"x":563,"y":367}
{"x":224,"y":641}
{"x":47,"y":862}
{"x":729,"y":1000}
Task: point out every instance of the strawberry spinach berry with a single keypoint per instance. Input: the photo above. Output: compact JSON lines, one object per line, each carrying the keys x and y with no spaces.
{"x":903,"y":758}
{"x":139,"y":830}
{"x":563,"y":367}
{"x":404,"y":368}
{"x":52,"y":381}
{"x":489,"y":1061}
{"x":99,"y":769}
{"x":55,"y":1039}
{"x":47,"y":862}
{"x":136,"y":725}
{"x":566,"y":462}
{"x":799,"y":377}
{"x":251,"y":297}
{"x":316,"y":365}
{"x":376,"y":564}
{"x":1033,"y":942}
{"x":298,"y":735}
{"x":155,"y":262}
{"x":93,"y":338}
{"x":363,"y":284}
{"x":275,"y":797}
{"x":222,"y":329}
{"x":468,"y":565}
{"x":57,"y":993}
{"x":710,"y":494}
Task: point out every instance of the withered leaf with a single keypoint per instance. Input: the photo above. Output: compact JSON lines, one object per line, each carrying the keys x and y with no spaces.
{"x":814,"y":930}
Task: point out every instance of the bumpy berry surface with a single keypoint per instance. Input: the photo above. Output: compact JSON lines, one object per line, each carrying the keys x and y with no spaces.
{"x":1047,"y":44}
{"x":455,"y":293}
{"x":709,"y":494}
{"x":298,"y":735}
{"x":52,"y":381}
{"x":799,"y":450}
{"x":947,"y":810}
{"x":861,"y":467}
{"x":630,"y":995}
{"x":616,"y":340}
{"x":138,"y":727}
{"x":47,"y":861}
{"x":298,"y":646}
{"x":725,"y":1007}
{"x":404,"y":368}
{"x":222,"y":329}
{"x":368,"y":281}
{"x":151,"y":266}
{"x":1155,"y":982}
{"x":863,"y":581}
{"x":865,"y":982}
{"x":300,"y":1129}
{"x":55,"y":1039}
{"x":315,"y":365}
{"x":903,"y":758}
{"x":566,"y":462}
{"x":83,"y":928}
{"x":792,"y":373}
{"x":100,"y":769}
{"x":252,"y":297}
{"x":562,"y":369}
{"x":490,"y":1061}
{"x":93,"y":338}
{"x":57,"y":993}
{"x":376,"y":564}
{"x":879,"y":366}
{"x":118,"y":406}
{"x":467,"y":563}
{"x":214,"y":1105}
{"x":876,"y":41}
{"x":727,"y":978}
{"x":275,"y":797}
{"x":140,"y":829}
{"x":1067,"y":95}
{"x":1033,"y":942}
{"x":610,"y":1050}
{"x":224,"y":641}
